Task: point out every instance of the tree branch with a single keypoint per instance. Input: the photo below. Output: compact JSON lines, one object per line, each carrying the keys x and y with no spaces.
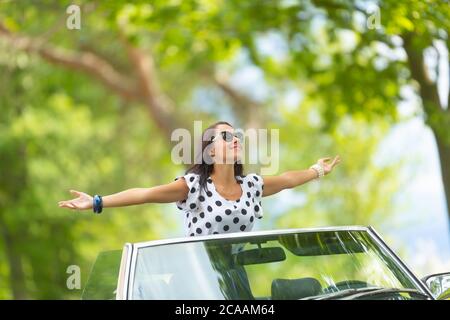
{"x":428,"y":89}
{"x":86,"y":62}
{"x":161,"y":107}
{"x":246,"y":108}
{"x":145,"y":89}
{"x":235,"y":96}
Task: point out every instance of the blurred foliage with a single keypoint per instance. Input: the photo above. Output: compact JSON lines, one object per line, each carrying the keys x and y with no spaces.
{"x":60,"y":134}
{"x":61,"y":130}
{"x":102,"y":281}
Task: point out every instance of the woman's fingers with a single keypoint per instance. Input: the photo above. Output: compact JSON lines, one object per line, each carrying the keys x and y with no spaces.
{"x":71,"y":203}
{"x":63,"y":205}
{"x":66,"y":201}
{"x":67,"y":204}
{"x":329,"y":166}
{"x":75,"y":192}
{"x":336,"y":161}
{"x":73,"y":206}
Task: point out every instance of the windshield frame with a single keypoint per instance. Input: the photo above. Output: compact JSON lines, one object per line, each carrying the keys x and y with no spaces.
{"x":123,"y":279}
{"x":131,"y":261}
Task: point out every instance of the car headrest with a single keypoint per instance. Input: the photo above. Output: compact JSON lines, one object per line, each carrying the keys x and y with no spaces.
{"x":293,"y":289}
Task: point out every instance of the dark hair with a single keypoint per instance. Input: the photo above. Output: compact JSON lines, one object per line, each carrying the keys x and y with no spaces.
{"x":203,"y":168}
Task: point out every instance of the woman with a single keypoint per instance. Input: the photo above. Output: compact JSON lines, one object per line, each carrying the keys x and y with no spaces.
{"x":214,"y":194}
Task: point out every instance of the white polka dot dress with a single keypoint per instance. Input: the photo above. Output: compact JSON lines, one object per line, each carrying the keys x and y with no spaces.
{"x":207,"y":212}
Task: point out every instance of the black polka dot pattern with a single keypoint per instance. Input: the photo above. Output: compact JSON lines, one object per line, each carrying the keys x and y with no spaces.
{"x":208,"y":212}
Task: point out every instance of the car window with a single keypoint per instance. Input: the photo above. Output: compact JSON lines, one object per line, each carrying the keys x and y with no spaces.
{"x":102,"y":281}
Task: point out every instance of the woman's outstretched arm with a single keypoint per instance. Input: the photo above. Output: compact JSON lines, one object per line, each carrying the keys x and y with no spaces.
{"x":171,"y":192}
{"x":291,"y":179}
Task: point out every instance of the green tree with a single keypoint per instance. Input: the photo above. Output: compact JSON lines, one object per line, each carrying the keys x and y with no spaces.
{"x":332,"y":53}
{"x":155,"y":57}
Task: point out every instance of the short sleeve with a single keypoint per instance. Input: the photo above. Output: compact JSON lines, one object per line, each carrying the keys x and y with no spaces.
{"x":257,"y":183}
{"x":192,"y":201}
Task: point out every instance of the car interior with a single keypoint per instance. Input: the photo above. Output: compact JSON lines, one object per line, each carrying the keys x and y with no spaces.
{"x":230,"y":265}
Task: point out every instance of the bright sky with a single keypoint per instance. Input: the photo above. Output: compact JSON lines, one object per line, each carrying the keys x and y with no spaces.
{"x":421,"y":208}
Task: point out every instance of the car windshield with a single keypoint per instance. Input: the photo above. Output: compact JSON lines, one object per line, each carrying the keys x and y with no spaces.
{"x":286,"y":266}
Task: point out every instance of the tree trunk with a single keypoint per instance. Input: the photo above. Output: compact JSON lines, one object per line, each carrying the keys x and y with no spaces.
{"x":432,"y":107}
{"x":16,"y":274}
{"x":13,"y":184}
{"x":444,"y":157}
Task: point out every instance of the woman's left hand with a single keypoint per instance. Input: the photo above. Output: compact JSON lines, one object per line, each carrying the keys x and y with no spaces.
{"x":327,"y":167}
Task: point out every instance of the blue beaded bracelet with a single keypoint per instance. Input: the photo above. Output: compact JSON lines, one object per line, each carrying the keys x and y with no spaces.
{"x":97,"y":204}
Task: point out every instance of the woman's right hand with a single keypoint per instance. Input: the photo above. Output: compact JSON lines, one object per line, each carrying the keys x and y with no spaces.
{"x":83,"y":202}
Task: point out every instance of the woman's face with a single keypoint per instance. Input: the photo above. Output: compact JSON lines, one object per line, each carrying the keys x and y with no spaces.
{"x":223,"y":151}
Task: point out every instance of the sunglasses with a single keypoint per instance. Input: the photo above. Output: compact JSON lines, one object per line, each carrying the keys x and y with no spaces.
{"x":228,"y":136}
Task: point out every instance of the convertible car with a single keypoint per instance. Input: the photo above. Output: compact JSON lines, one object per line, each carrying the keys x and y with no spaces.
{"x":321,"y":263}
